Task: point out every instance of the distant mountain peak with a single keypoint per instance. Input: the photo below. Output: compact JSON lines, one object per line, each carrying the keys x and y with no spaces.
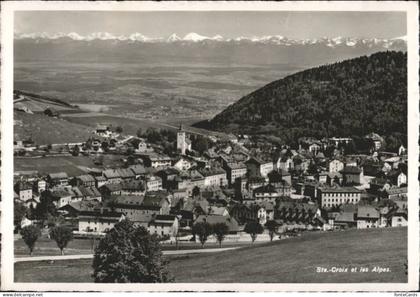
{"x":194,"y":37}
{"x":173,"y":38}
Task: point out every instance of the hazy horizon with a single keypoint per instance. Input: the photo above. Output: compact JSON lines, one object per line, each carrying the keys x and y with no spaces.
{"x":229,"y":24}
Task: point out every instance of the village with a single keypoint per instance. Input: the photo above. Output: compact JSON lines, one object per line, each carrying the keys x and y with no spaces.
{"x":236,"y":180}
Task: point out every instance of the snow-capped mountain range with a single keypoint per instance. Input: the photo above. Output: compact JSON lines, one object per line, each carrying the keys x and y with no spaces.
{"x":196,"y":48}
{"x":197,"y":38}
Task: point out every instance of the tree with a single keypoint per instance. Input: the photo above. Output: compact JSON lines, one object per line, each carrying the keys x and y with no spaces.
{"x":105,"y":146}
{"x":30,"y":235}
{"x":200,"y":144}
{"x":62,"y":236}
{"x":195,"y":192}
{"x":272,"y":228}
{"x":129,"y":254}
{"x":253,"y":229}
{"x":19,"y":212}
{"x":76,"y":151}
{"x":202,"y":230}
{"x":119,"y":129}
{"x":46,"y":206}
{"x":220,"y":230}
{"x":139,"y":132}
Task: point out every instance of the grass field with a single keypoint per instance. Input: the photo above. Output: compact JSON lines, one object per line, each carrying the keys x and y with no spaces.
{"x":71,"y":165}
{"x":46,"y":130}
{"x":292,"y":260}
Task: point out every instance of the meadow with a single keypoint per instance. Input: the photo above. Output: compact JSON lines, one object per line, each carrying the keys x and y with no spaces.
{"x":148,"y":90}
{"x":293,"y":260}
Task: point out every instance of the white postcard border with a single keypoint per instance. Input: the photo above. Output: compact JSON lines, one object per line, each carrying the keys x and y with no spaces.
{"x":7,"y":263}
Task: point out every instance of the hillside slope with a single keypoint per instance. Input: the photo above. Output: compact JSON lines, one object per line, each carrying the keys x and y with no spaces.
{"x":350,"y":98}
{"x":292,"y":260}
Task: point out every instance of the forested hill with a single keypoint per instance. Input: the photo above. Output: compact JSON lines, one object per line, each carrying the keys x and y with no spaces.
{"x":349,"y":98}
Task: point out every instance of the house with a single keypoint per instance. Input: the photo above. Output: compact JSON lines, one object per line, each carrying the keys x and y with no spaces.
{"x":281,"y":181}
{"x":334,"y":178}
{"x":109,"y":190}
{"x":235,"y":170}
{"x":397,"y":178}
{"x":259,"y":167}
{"x":217,"y":211}
{"x":232,"y":224}
{"x":61,"y":197}
{"x":156,"y":160}
{"x":293,"y":214}
{"x":24,"y":190}
{"x":183,"y":163}
{"x":314,"y":148}
{"x":112,"y":176}
{"x":133,"y":187}
{"x":335,"y":165}
{"x":41,"y":186}
{"x":129,"y":205}
{"x":379,"y":184}
{"x":336,"y":141}
{"x":58,"y":179}
{"x":86,"y":180}
{"x":394,"y":192}
{"x":367,"y":217}
{"x":138,"y":170}
{"x":169,"y":177}
{"x":158,"y":202}
{"x":376,"y":140}
{"x":269,"y":209}
{"x":143,"y":147}
{"x":284,"y":163}
{"x":214,"y":177}
{"x":398,"y":217}
{"x":100,"y":181}
{"x":336,"y":196}
{"x":103,"y":131}
{"x":73,"y":209}
{"x":402,"y":150}
{"x":164,"y":225}
{"x":401,"y":202}
{"x":346,"y":219}
{"x":262,"y":215}
{"x":153,"y":183}
{"x":352,"y":175}
{"x":266,"y":193}
{"x":126,"y":174}
{"x":323,"y":177}
{"x":90,"y":193}
{"x":242,"y":213}
{"x":99,"y":220}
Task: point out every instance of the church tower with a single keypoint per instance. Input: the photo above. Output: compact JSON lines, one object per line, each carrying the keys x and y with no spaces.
{"x":181,"y":144}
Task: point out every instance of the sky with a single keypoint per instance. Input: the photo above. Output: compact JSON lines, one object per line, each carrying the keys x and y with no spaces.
{"x":229,"y":24}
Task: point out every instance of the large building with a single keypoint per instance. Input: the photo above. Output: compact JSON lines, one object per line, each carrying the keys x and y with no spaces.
{"x":259,"y":167}
{"x":336,"y":196}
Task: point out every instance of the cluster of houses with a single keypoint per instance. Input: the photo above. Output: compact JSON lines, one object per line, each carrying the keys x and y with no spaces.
{"x":233,"y":182}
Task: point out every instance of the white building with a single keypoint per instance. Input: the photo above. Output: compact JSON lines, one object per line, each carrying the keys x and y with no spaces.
{"x":335,"y":166}
{"x":335,"y":196}
{"x":164,"y":225}
{"x":153,"y":183}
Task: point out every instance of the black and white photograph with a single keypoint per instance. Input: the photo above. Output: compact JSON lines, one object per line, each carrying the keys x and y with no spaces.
{"x":211,"y":146}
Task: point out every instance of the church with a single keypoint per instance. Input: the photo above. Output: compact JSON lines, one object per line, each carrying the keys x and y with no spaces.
{"x":182,"y":142}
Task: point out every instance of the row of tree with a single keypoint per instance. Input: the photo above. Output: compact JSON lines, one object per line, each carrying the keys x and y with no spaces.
{"x":62,"y":235}
{"x":203,"y":230}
